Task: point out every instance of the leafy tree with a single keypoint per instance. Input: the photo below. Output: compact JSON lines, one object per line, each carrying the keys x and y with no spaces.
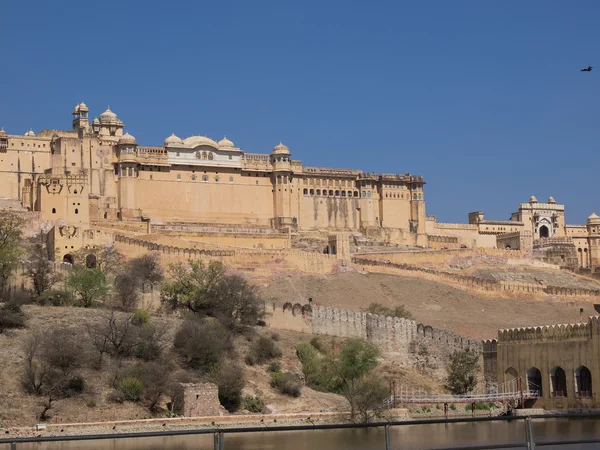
{"x":126,"y":292}
{"x":105,"y":258}
{"x":462,"y":373}
{"x":368,"y":395}
{"x":146,"y":268}
{"x":211,"y":291}
{"x":11,"y":249}
{"x":203,"y":343}
{"x":129,"y":282}
{"x":40,"y":269}
{"x":348,"y":372}
{"x":399,"y":311}
{"x":230,"y":380}
{"x":88,"y":285}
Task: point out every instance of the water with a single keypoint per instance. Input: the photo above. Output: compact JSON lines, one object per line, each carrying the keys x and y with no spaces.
{"x":402,"y":437}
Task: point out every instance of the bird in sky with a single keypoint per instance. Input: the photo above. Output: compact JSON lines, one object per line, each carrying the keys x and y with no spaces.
{"x":587,"y":69}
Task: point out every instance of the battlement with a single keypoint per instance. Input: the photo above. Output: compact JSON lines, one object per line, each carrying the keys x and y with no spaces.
{"x":559,"y":332}
{"x":547,"y":206}
{"x":330,"y":171}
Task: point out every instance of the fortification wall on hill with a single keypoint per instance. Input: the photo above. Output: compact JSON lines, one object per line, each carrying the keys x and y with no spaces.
{"x":255,"y":260}
{"x":469,"y":281}
{"x":390,"y":334}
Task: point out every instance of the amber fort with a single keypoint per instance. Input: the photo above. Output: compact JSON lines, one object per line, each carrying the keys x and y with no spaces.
{"x":96,"y":176}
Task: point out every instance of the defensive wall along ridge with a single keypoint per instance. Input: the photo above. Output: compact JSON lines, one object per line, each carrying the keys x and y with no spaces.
{"x":257,"y":260}
{"x":468,"y":281}
{"x":391,"y":334}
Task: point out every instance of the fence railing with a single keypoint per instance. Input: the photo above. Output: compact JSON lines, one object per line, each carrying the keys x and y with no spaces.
{"x":219,"y":435}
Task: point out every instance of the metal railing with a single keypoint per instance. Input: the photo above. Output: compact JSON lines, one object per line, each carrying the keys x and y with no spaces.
{"x":219,"y":435}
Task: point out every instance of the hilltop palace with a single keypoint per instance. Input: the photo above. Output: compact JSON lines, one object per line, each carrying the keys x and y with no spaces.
{"x":96,"y":174}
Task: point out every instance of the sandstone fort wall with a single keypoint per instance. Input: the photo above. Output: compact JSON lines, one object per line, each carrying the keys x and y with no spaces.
{"x":390,"y":334}
{"x":467,"y":281}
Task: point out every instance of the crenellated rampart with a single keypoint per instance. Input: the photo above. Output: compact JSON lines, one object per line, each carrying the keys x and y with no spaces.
{"x":469,"y":281}
{"x":255,"y":260}
{"x":559,"y":332}
{"x":390,"y":334}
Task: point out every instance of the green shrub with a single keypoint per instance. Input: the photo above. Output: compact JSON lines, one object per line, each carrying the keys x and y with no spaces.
{"x":317,"y":344}
{"x":453,"y":407}
{"x":77,"y":385}
{"x":250,"y":360}
{"x":11,"y":316}
{"x":91,"y":403}
{"x":253,"y":404}
{"x":132,"y":388}
{"x":286,"y":383}
{"x":264,"y":349}
{"x":55,"y":297}
{"x":319,"y":372}
{"x":274,"y":367}
{"x":230,"y":380}
{"x":140,"y":317}
{"x":399,"y":311}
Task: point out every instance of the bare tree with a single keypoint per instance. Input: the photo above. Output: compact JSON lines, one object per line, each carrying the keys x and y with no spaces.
{"x":52,"y":361}
{"x":11,"y":249}
{"x":40,"y":269}
{"x":126,"y":292}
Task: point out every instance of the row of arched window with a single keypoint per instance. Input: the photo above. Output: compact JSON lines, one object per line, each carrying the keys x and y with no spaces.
{"x":330,"y":193}
{"x":558,"y":381}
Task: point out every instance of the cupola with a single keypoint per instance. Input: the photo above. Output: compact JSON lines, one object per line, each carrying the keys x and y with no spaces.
{"x":532,"y":199}
{"x":225,"y":143}
{"x":127,"y":139}
{"x":173,"y":140}
{"x":281,"y":149}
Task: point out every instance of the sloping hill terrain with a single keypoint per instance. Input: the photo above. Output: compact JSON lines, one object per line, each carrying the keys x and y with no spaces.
{"x":430,"y":302}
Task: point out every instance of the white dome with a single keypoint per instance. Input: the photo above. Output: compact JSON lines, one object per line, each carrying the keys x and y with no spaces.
{"x":226,"y":143}
{"x":532,"y":199}
{"x":30,"y":133}
{"x":83,"y":107}
{"x":196,"y":141}
{"x":593,"y":216}
{"x":127,"y":139}
{"x":173,"y":140}
{"x":2,"y":132}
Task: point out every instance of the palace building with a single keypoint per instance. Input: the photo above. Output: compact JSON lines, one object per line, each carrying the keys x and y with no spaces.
{"x":96,"y":172}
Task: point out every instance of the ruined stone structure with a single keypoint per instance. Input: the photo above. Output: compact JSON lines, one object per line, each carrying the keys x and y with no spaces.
{"x":199,"y":399}
{"x":561,"y":362}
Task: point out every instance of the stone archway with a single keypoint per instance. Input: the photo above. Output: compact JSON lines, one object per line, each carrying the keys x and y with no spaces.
{"x":68,"y":258}
{"x":544,"y":231}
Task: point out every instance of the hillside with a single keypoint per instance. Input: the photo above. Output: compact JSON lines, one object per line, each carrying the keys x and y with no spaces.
{"x":93,"y":404}
{"x":432,"y":303}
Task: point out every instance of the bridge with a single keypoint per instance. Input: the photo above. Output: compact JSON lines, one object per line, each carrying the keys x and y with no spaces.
{"x":511,"y":391}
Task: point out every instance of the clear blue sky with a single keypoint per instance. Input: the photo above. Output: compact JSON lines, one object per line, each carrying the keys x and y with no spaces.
{"x":484,"y":99}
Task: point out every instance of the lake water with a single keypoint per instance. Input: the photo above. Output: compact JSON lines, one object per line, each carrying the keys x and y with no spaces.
{"x":402,"y":437}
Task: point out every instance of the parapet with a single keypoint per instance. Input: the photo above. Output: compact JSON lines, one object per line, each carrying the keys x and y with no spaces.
{"x":559,"y":332}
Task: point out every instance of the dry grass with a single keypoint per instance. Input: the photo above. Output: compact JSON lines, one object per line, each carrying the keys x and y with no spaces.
{"x":430,"y":302}
{"x":20,"y":409}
